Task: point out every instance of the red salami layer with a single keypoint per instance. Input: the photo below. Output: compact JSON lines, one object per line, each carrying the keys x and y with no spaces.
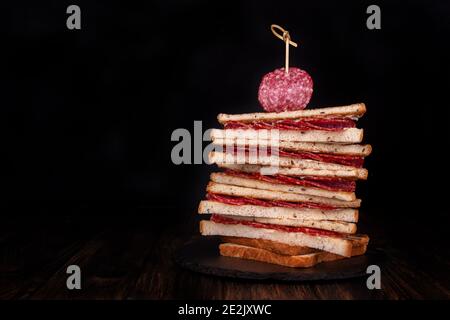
{"x":325,"y":124}
{"x":239,"y":201}
{"x":280,"y":91}
{"x":312,"y":231}
{"x":325,"y":183}
{"x":346,"y":160}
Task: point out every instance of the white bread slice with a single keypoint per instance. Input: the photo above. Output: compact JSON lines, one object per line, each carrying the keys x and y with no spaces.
{"x":354,"y":110}
{"x":352,"y":174}
{"x":299,"y":261}
{"x":210,"y":207}
{"x":272,"y":160}
{"x":336,"y":226}
{"x":277,"y":195}
{"x":345,"y":136}
{"x":315,"y":147}
{"x":337,"y":245}
{"x":258,"y":184}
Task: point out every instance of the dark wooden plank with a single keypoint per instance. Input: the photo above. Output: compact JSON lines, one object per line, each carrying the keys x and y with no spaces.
{"x":135,"y":261}
{"x":401,"y":279}
{"x":110,"y":264}
{"x":32,"y":252}
{"x":159,"y":273}
{"x":161,"y":278}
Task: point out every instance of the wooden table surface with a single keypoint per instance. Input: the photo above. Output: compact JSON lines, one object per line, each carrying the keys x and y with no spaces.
{"x":132,"y":258}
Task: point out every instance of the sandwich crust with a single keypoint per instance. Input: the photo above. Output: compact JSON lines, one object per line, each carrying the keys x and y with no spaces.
{"x":352,"y":174}
{"x":361,"y":150}
{"x":344,"y":214}
{"x":358,"y":245}
{"x":338,"y":245}
{"x":354,"y":110}
{"x":344,"y":136}
{"x":294,"y":261}
{"x":272,"y":246}
{"x":225,"y":178}
{"x":270,"y":160}
{"x":277,"y":195}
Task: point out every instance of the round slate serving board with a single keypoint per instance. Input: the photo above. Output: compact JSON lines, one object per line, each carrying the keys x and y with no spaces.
{"x":201,"y":254}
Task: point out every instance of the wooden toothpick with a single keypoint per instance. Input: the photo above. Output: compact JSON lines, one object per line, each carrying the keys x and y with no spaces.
{"x":287,"y":40}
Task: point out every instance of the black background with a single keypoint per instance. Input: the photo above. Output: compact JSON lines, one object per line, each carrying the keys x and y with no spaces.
{"x":87,"y":115}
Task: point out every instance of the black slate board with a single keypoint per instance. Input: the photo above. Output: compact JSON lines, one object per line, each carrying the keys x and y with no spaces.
{"x":201,"y":254}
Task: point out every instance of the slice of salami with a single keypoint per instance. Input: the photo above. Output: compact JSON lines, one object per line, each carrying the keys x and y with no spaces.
{"x":279,"y":91}
{"x":326,"y":183}
{"x":239,"y":201}
{"x":312,"y":231}
{"x":324,"y":124}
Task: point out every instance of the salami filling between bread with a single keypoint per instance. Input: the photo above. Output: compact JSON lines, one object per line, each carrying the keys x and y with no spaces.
{"x":311,"y":231}
{"x":239,"y":201}
{"x":346,"y":160}
{"x":325,"y":183}
{"x":324,"y":124}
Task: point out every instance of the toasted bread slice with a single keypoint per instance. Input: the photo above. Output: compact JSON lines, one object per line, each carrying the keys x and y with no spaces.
{"x":272,"y":160}
{"x":345,"y":214}
{"x":335,"y":244}
{"x":256,"y":254}
{"x":272,"y":246}
{"x":225,"y":178}
{"x":294,"y":261}
{"x":314,"y":147}
{"x":358,"y":243}
{"x":352,"y":174}
{"x":344,"y":136}
{"x":354,"y":110}
{"x":236,"y":191}
{"x":336,"y":226}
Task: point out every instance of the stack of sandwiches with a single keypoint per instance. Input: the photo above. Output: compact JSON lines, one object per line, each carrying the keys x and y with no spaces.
{"x":290,"y":200}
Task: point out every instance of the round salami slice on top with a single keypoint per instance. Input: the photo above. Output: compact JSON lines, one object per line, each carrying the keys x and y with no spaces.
{"x":279,"y":91}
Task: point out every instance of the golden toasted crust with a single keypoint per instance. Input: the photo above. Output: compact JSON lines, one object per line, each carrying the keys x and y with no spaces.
{"x":356,"y":110}
{"x":225,"y":178}
{"x":296,"y":261}
{"x":337,"y":245}
{"x":281,"y":161}
{"x":359,"y":243}
{"x":358,"y":239}
{"x":361,"y":150}
{"x":354,"y":174}
{"x":345,"y":136}
{"x":273,"y":246}
{"x":237,"y":191}
{"x":250,"y":253}
{"x":344,"y":215}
